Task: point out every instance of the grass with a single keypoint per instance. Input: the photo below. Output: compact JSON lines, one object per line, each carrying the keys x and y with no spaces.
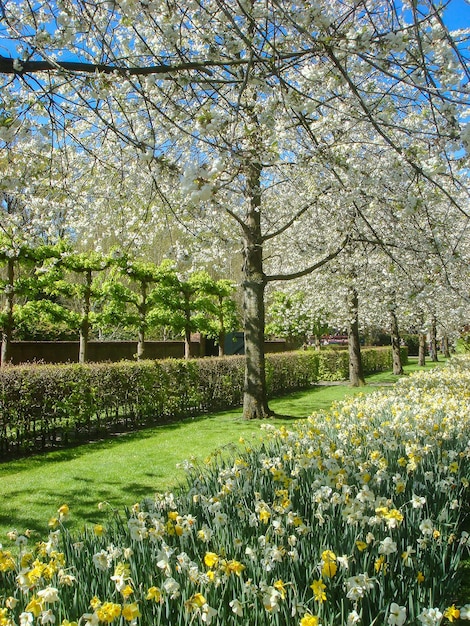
{"x":123,"y":470}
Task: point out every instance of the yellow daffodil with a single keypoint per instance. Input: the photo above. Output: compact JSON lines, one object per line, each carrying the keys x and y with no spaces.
{"x":34,"y":606}
{"x":211,"y":559}
{"x":98,"y":530}
{"x":318,"y":587}
{"x":108,"y":612}
{"x":63,"y":511}
{"x":452,"y":613}
{"x":131,"y":611}
{"x":154,"y":593}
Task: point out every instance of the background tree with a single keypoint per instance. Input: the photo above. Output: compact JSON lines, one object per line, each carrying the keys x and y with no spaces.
{"x":146,"y":281}
{"x":62,"y":274}
{"x":222,"y":311}
{"x":291,"y":315}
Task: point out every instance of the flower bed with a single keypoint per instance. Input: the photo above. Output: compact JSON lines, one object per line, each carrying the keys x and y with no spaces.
{"x":351,"y":517}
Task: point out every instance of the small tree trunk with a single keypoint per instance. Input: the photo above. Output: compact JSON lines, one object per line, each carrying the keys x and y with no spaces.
{"x":85,"y":323}
{"x":7,"y":334}
{"x":356,"y":373}
{"x":187,"y":343}
{"x":142,"y":309}
{"x":422,"y":350}
{"x":187,"y":329}
{"x":221,"y":338}
{"x":445,"y":347}
{"x":433,"y":341}
{"x":396,"y":352}
{"x":221,"y":342}
{"x":141,"y":343}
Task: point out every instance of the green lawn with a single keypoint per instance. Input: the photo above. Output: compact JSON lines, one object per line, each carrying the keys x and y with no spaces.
{"x":124,"y":469}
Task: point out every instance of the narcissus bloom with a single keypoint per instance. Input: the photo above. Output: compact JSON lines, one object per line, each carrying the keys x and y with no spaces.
{"x":211,"y":559}
{"x":131,"y":611}
{"x":318,"y":587}
{"x":452,"y":613}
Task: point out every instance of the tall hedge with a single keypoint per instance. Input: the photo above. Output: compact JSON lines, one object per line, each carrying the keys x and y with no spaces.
{"x":43,"y":406}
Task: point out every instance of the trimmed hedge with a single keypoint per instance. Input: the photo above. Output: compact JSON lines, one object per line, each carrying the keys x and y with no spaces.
{"x":45,"y":406}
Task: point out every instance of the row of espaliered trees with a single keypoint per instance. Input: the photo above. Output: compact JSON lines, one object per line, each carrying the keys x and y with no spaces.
{"x":297,"y":128}
{"x":85,"y":291}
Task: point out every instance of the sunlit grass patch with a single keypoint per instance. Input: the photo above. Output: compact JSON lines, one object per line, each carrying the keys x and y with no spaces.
{"x":353,"y":516}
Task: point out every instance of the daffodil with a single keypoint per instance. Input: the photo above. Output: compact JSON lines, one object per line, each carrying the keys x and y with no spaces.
{"x":318,"y":587}
{"x":130,"y":612}
{"x":452,"y":613}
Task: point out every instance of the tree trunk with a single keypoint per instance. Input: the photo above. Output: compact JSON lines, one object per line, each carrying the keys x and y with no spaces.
{"x":187,"y":329}
{"x":85,"y":323}
{"x":445,"y":347}
{"x":356,"y":374}
{"x":7,"y":334}
{"x":422,"y":350}
{"x":396,"y":352}
{"x":221,"y":338}
{"x":187,"y":343}
{"x":221,"y":343}
{"x":142,"y":310}
{"x":433,"y":341}
{"x":255,"y":403}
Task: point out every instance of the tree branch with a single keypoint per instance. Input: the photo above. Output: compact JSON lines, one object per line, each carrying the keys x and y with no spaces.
{"x":311,"y":268}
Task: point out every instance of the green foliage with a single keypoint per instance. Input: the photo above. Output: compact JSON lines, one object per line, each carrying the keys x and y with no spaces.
{"x":463,"y":344}
{"x":45,"y":319}
{"x":334,"y":364}
{"x":51,"y":405}
{"x":412,"y":343}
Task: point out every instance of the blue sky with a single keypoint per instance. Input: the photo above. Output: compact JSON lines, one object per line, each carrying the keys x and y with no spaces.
{"x":458,"y":14}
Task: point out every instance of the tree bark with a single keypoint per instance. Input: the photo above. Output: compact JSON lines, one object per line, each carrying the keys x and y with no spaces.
{"x":187,"y":328}
{"x":255,"y":404}
{"x":396,"y":344}
{"x":445,"y":347}
{"x":85,"y":323}
{"x":422,"y":350}
{"x":356,"y":373}
{"x":221,"y":341}
{"x":142,"y":322}
{"x":7,"y":334}
{"x":433,"y":341}
{"x":221,"y":336}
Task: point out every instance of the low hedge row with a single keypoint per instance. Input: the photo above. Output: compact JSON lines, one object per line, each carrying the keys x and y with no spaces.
{"x":45,"y":406}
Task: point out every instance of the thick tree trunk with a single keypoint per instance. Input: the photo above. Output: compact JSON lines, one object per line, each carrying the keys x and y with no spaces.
{"x":396,"y":343}
{"x":7,"y":334}
{"x":422,"y":350}
{"x":255,"y":404}
{"x":356,"y":373}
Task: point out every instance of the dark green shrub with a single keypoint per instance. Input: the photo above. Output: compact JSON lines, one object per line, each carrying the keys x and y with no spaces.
{"x":44,"y":406}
